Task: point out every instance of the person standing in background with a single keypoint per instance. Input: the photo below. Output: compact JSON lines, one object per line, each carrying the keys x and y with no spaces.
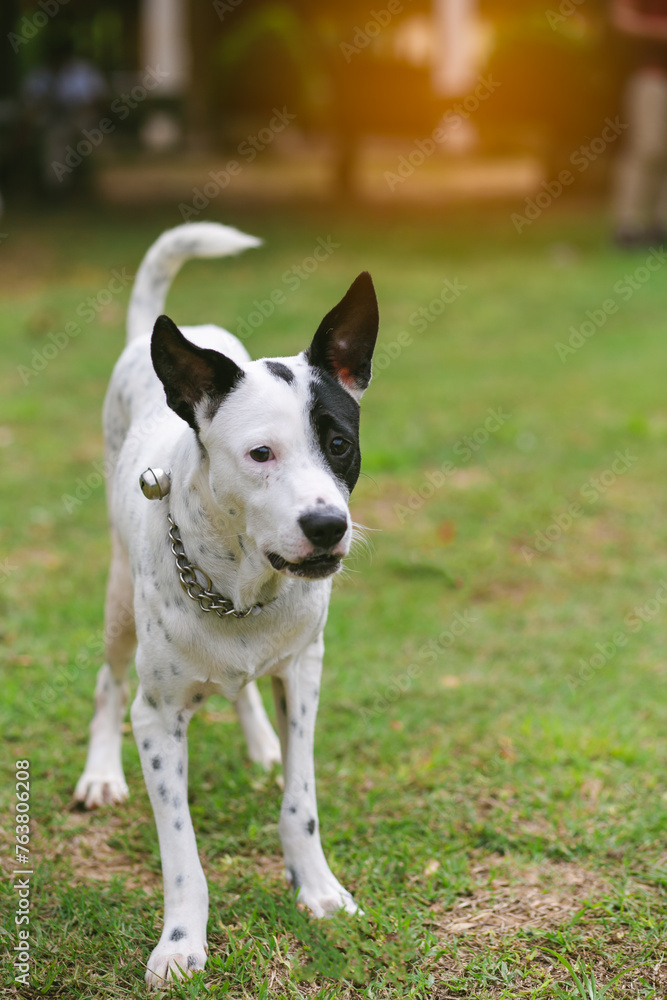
{"x":61,"y":98}
{"x":640,"y":183}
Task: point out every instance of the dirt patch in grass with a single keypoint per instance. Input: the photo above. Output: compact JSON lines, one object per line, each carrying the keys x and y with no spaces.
{"x":270,"y":867}
{"x":517,"y":915}
{"x":94,"y":859}
{"x":505,"y":899}
{"x":84,"y":842}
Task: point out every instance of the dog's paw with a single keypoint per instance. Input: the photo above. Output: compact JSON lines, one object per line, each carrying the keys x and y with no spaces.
{"x":95,"y":790}
{"x":326,"y":898}
{"x":263,"y":743}
{"x":170,"y":961}
{"x":265,"y":752}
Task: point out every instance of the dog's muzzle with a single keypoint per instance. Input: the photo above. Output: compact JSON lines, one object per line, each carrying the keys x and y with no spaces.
{"x":324,"y":529}
{"x":313,"y":568}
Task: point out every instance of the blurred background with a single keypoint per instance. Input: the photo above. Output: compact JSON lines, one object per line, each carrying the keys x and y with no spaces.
{"x":499,"y":93}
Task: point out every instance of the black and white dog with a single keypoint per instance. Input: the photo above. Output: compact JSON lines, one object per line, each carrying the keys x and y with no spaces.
{"x":252,"y":464}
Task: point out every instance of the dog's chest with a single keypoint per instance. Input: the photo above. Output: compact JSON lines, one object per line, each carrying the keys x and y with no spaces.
{"x":196,"y":646}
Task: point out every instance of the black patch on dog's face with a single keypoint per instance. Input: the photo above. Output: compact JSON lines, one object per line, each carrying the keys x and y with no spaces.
{"x":333,"y":415}
{"x":280,"y":370}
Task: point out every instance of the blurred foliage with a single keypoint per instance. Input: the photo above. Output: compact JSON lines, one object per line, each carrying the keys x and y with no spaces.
{"x":559,"y":67}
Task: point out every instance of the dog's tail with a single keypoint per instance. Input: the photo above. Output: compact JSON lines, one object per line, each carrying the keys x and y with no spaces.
{"x":160,"y":265}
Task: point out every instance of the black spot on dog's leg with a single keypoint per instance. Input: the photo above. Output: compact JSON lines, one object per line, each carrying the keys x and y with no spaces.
{"x":295,"y":881}
{"x":310,"y":826}
{"x":146,"y":744}
{"x":177,"y":934}
{"x":193,"y":962}
{"x":156,"y":763}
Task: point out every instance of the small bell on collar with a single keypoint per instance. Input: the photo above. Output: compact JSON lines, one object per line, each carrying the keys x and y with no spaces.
{"x":155,"y":483}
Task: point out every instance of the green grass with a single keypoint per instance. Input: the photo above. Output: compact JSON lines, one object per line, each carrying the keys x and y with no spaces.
{"x":478,"y":755}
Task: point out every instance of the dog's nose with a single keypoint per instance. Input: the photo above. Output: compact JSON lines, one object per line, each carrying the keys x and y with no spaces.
{"x":323,"y":528}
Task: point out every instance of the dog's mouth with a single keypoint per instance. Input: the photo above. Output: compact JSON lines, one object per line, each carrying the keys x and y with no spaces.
{"x":312,"y":568}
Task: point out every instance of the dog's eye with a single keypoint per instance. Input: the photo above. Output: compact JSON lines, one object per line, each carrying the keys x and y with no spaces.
{"x":262,"y":454}
{"x":338,"y":446}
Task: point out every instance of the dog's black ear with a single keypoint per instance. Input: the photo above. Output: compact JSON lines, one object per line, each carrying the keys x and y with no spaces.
{"x":190,"y":375}
{"x":344,"y":343}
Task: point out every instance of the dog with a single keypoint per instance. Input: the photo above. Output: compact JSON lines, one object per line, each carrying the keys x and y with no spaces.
{"x":225,"y":577}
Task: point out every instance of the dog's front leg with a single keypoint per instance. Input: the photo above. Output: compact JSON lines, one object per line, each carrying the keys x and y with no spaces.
{"x":296,"y":695}
{"x":160,"y":732}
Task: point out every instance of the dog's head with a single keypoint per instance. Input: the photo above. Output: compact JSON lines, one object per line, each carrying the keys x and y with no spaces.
{"x":281,"y":435}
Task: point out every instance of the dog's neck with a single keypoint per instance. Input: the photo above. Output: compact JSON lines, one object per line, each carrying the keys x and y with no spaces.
{"x":214,"y":538}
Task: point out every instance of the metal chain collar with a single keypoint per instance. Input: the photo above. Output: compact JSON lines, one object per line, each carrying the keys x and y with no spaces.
{"x":207,"y":598}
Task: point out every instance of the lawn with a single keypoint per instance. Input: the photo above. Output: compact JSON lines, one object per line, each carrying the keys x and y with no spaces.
{"x":493,"y":725}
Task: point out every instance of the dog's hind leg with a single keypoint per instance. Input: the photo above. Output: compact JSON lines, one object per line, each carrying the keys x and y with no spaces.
{"x":263,"y":744}
{"x":102,"y":780}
